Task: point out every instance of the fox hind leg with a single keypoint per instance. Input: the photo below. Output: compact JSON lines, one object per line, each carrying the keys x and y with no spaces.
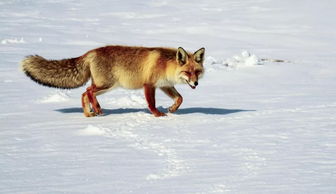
{"x":91,"y":92}
{"x":86,"y":105}
{"x":90,"y":104}
{"x":173,"y":93}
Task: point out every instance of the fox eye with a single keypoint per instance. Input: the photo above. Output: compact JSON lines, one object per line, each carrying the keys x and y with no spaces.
{"x":187,"y":72}
{"x":197,"y":72}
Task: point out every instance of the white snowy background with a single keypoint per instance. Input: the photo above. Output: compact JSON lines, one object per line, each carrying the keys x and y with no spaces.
{"x":251,"y":126}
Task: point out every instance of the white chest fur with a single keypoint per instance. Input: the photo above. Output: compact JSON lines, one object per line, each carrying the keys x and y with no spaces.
{"x":164,"y":83}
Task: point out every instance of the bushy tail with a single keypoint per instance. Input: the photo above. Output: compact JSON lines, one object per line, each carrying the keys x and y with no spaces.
{"x":65,"y":73}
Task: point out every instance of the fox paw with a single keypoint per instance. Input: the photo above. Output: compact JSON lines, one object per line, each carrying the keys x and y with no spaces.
{"x":159,"y":114}
{"x":90,"y":114}
{"x":172,"y":109}
{"x":97,"y":110}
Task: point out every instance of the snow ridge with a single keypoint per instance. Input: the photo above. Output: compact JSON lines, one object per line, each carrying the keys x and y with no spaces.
{"x":13,"y":41}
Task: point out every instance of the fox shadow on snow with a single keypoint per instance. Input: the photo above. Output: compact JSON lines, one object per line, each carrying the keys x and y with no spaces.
{"x":181,"y":111}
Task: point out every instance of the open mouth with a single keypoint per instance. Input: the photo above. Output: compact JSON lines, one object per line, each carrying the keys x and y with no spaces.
{"x":193,"y":87}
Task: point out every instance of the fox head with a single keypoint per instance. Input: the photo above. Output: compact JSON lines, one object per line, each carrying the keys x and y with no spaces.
{"x":190,"y":66}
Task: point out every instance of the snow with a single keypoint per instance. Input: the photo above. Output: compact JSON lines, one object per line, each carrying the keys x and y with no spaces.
{"x":251,"y":126}
{"x":13,"y":41}
{"x":92,"y":130}
{"x":243,"y":60}
{"x":58,"y":96}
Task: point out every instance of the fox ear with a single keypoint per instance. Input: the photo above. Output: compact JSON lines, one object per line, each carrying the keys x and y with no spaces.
{"x":181,"y":56}
{"x":199,"y":55}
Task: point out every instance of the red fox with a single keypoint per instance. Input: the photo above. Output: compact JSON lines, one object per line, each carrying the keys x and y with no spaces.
{"x":120,"y":66}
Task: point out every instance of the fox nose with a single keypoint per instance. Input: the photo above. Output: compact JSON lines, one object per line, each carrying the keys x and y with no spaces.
{"x":196,"y":83}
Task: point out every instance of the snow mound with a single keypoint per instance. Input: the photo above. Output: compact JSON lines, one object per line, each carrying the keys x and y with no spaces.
{"x":13,"y":41}
{"x":57,"y":96}
{"x":211,"y":61}
{"x":92,"y":130}
{"x":244,"y":59}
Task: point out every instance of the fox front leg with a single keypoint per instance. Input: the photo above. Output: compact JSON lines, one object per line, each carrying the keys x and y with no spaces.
{"x":150,"y":97}
{"x":173,"y":93}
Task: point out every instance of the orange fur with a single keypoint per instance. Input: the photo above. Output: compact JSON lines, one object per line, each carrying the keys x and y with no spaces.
{"x":120,"y":66}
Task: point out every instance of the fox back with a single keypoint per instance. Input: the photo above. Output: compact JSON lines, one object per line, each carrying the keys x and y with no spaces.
{"x":132,"y":67}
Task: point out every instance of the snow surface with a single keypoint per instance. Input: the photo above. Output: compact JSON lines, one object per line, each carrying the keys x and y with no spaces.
{"x":251,"y":126}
